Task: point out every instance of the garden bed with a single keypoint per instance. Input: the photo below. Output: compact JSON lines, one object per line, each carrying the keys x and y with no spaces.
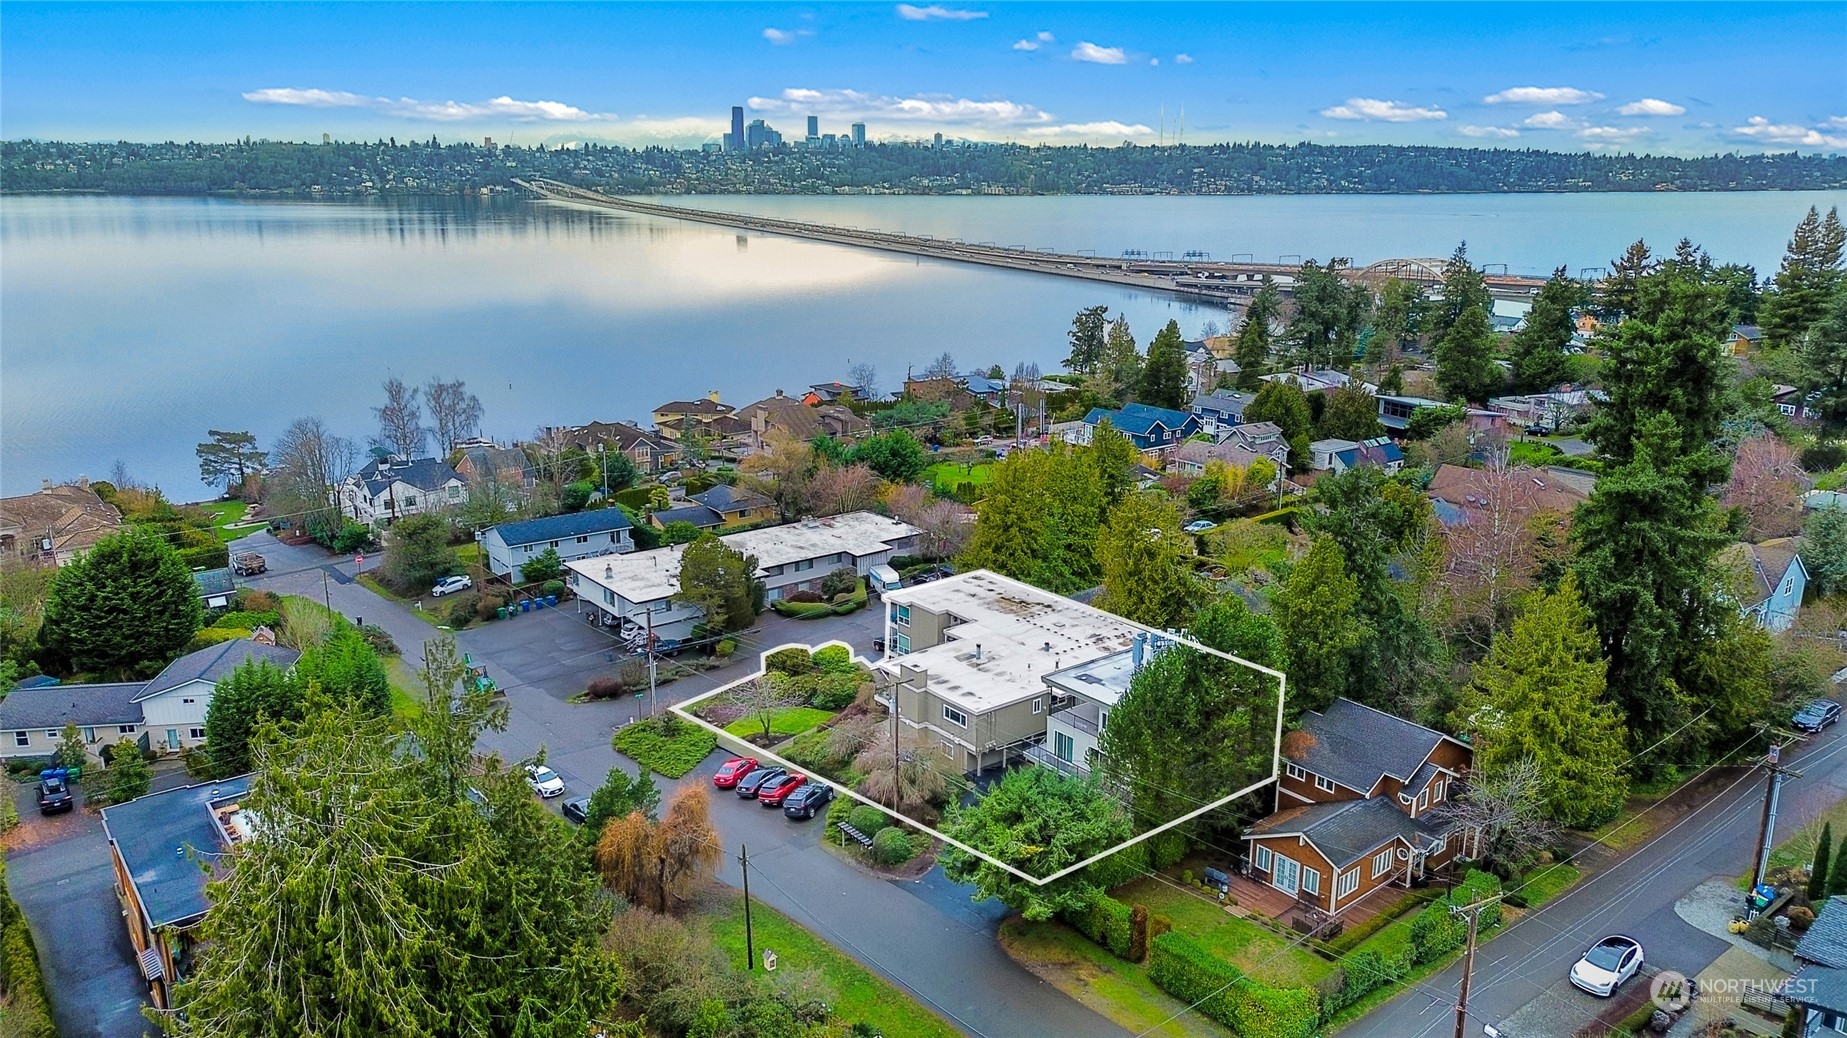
{"x":667,"y":745}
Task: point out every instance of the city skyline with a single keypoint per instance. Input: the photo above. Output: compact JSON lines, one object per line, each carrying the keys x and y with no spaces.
{"x":1558,"y":77}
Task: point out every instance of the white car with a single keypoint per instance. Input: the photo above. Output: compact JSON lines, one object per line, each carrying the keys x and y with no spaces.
{"x":1199,"y":526}
{"x":544,"y":781}
{"x":450,"y":585}
{"x":1609,"y":962}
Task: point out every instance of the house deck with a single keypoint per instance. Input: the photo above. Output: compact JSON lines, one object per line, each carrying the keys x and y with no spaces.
{"x":1262,"y":899}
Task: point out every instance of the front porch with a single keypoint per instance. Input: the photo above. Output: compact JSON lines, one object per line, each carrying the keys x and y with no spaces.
{"x":1255,"y":897}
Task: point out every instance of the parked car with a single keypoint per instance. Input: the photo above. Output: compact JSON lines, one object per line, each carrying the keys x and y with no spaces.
{"x":544,"y":781}
{"x":1817,"y":715}
{"x":772,"y":794}
{"x":248,"y":564}
{"x":733,"y":770}
{"x":576,"y":809}
{"x":1536,"y":430}
{"x":749,"y":786}
{"x":54,"y":794}
{"x":1199,"y":526}
{"x":808,"y":801}
{"x":1609,"y":962}
{"x":450,"y":585}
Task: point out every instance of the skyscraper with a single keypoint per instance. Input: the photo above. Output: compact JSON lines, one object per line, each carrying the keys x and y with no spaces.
{"x":814,"y":126}
{"x":859,"y":135}
{"x":735,"y":140}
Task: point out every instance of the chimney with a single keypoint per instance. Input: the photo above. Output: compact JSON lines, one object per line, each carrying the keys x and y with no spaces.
{"x":44,"y":484}
{"x":779,"y":394}
{"x":712,"y":395}
{"x":977,"y":650}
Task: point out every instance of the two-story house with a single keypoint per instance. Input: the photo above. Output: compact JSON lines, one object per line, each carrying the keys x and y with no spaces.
{"x":1818,"y":988}
{"x":1261,"y":438}
{"x":1219,"y":411}
{"x":580,"y":535}
{"x":1151,"y":429}
{"x":1768,"y":580}
{"x":482,"y":462}
{"x":55,"y":524}
{"x":786,"y":414}
{"x":389,"y":488}
{"x":1359,"y":805}
{"x":649,"y":452}
{"x":673,"y":418}
{"x":1337,"y":455}
{"x":718,"y":508}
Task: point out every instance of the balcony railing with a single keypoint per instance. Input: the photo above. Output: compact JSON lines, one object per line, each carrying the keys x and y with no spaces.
{"x":1079,"y":722}
{"x":1040,"y":755}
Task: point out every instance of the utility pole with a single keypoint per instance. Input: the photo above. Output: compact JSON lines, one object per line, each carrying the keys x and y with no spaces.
{"x":750,"y":948}
{"x":326,"y":592}
{"x":1767,"y":830}
{"x":1473,"y":910}
{"x":650,"y":645}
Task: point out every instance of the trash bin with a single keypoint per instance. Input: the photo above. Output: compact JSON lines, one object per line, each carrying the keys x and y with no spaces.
{"x":538,"y":603}
{"x":525,"y":605}
{"x":500,"y":613}
{"x":551,"y":600}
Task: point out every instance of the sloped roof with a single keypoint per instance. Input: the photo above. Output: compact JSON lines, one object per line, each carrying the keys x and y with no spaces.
{"x":552,"y":528}
{"x":489,"y":462}
{"x":1347,"y":831}
{"x":54,"y":706}
{"x":702,"y":407}
{"x":214,"y":581}
{"x":73,"y":516}
{"x":725,"y":498}
{"x":1826,"y":939}
{"x":163,"y":837}
{"x":1748,"y":331}
{"x":422,"y":473}
{"x":1222,"y":402}
{"x":621,"y":435}
{"x":1355,"y":745}
{"x":1466,"y":489}
{"x":698,"y":515}
{"x":1763,"y":564}
{"x":214,"y":663}
{"x":1379,"y":451}
{"x":1138,"y":419}
{"x":1200,"y":452}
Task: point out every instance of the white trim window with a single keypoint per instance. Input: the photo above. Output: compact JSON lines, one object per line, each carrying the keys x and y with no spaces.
{"x":1423,"y":800}
{"x":1296,"y":772}
{"x":195,"y":733}
{"x":1348,"y":883}
{"x":1261,"y":860}
{"x":1324,"y":784}
{"x":1382,"y":863}
{"x":901,"y":643}
{"x":954,"y":716}
{"x":22,"y":738}
{"x":1311,"y":880}
{"x":901,"y":615}
{"x":1037,"y":705}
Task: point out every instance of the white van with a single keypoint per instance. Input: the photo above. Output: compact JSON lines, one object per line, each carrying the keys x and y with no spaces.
{"x":883,"y":578}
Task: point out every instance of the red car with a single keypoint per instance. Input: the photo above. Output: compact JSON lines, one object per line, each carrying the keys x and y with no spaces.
{"x":774,"y":796}
{"x":732,"y":770}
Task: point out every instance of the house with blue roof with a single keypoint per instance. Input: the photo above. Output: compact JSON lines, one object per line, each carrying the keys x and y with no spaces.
{"x":1149,"y":428}
{"x":1337,"y":455}
{"x":1218,"y":412}
{"x":580,"y":535}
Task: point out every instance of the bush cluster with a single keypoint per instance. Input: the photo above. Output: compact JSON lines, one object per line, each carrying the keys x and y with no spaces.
{"x":1108,"y":922}
{"x":248,"y":619}
{"x":1183,"y":968}
{"x":1436,"y":931}
{"x":867,"y":819}
{"x":27,"y":1010}
{"x":664,"y":744}
{"x":891,"y":846}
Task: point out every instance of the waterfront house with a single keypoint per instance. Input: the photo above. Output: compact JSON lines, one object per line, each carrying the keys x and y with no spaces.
{"x":649,"y":452}
{"x":1204,"y":365}
{"x":1359,"y":805}
{"x":831,"y":393}
{"x":782,"y":413}
{"x":1768,"y":580}
{"x":54,"y":524}
{"x":675,"y":416}
{"x":479,"y":463}
{"x":389,"y":488}
{"x":580,"y":535}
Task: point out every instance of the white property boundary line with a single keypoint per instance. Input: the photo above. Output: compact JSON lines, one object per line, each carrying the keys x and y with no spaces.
{"x":684,"y":711}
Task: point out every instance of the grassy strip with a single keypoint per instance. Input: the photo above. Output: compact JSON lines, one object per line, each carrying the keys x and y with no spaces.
{"x":1260,"y":952}
{"x":946,"y":475}
{"x":858,"y":995}
{"x":1087,"y":972}
{"x":1547,"y":882}
{"x":793,"y":721}
{"x":1798,"y":848}
{"x":673,"y":753}
{"x":406,"y":689}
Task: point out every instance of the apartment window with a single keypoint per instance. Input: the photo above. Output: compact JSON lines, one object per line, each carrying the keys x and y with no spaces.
{"x":189,"y":701}
{"x":901,"y":643}
{"x":195,"y":733}
{"x":552,"y":544}
{"x":527,"y":548}
{"x":52,"y":734}
{"x":1263,"y":858}
{"x":1349,"y":882}
{"x":22,"y":738}
{"x":805,"y":564}
{"x":1326,"y":785}
{"x":1295,"y":772}
{"x":1063,"y":746}
{"x":1311,"y":880}
{"x":1382,"y":863}
{"x":901,"y":615}
{"x":955,"y":717}
{"x":125,"y":729}
{"x":1036,"y":704}
{"x":585,"y":539}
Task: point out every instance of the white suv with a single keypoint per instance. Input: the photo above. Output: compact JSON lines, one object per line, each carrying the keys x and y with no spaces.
{"x":450,"y":585}
{"x":544,"y":781}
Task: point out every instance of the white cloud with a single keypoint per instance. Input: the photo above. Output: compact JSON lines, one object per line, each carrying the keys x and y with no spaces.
{"x":1487,"y":131}
{"x":1035,"y":42}
{"x":927,"y":108}
{"x":502,"y":107}
{"x":1107,"y":131}
{"x":1154,"y":61}
{"x":912,"y":13}
{"x":1758,"y":128}
{"x":1087,"y":51}
{"x":1838,"y":120}
{"x":781,"y":37}
{"x":1543,"y":96}
{"x":1651,"y":106}
{"x":1548,"y":121}
{"x":1183,"y":59}
{"x":1613,"y":134}
{"x":1384,"y":111}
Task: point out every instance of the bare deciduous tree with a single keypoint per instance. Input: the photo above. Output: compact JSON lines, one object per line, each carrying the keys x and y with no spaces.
{"x":907,"y":501}
{"x":864,"y":378}
{"x":455,"y":412}
{"x":306,"y":462}
{"x":1502,"y":817}
{"x":400,"y":421}
{"x":900,"y":775}
{"x":944,"y":529}
{"x":846,"y":488}
{"x":761,"y":699}
{"x":1766,"y":484}
{"x":781,"y":471}
{"x":1490,"y":554}
{"x":943,"y":366}
{"x":661,"y":864}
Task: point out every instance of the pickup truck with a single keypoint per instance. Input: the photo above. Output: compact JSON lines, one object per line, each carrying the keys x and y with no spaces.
{"x":54,"y":792}
{"x":247,"y":563}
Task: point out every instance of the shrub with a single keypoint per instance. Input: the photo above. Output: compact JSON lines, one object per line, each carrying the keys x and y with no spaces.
{"x":866,"y":818}
{"x":835,"y":659}
{"x":790,"y":661}
{"x":605,"y":688}
{"x":842,"y":581}
{"x":1364,"y":972}
{"x":725,"y":648}
{"x":380,"y":641}
{"x":1184,"y":969}
{"x":1436,"y":931}
{"x":487,"y":606}
{"x":1138,"y":933}
{"x":461,"y":612}
{"x":258,"y":601}
{"x":1801,"y":918}
{"x":210,"y":636}
{"x":248,"y":620}
{"x":1186,"y":876}
{"x":1106,"y":921}
{"x":553,"y":587}
{"x":1158,"y":925}
{"x":9,"y":813}
{"x":1823,"y":457}
{"x":891,"y":846}
{"x":665,"y":745}
{"x":803,"y":598}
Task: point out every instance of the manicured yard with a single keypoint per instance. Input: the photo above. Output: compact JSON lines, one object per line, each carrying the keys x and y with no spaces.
{"x":1547,"y":882}
{"x":945,"y":475}
{"x":856,"y":994}
{"x":1259,"y":951}
{"x":672,"y":753}
{"x":793,"y":721}
{"x":1087,"y":972}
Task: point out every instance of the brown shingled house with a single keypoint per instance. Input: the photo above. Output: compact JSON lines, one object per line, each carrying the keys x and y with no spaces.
{"x":54,"y":525}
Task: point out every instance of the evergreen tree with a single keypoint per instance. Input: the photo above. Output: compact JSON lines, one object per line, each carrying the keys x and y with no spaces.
{"x":1039,"y":821}
{"x":1398,"y":321}
{"x":717,"y":578}
{"x":1823,"y":356}
{"x":417,"y":553}
{"x":1040,"y":518}
{"x":1616,"y":301}
{"x":1352,"y":413}
{"x":70,"y":751}
{"x":1251,"y":349}
{"x":1146,"y":563}
{"x":128,"y":773}
{"x":1316,"y":612}
{"x":1818,"y":868}
{"x":1086,"y":340}
{"x":127,"y":603}
{"x":1538,"y":354}
{"x":1114,"y":457}
{"x":1465,"y":359}
{"x":1824,"y":552}
{"x":253,"y":693}
{"x":1539,"y":694}
{"x":618,"y":797}
{"x":1163,"y":381}
{"x":1281,"y":401}
{"x":1837,"y":876}
{"x":1463,"y":287}
{"x":1806,"y":282}
{"x":346,"y":667}
{"x":1329,"y":314}
{"x":1120,"y":375}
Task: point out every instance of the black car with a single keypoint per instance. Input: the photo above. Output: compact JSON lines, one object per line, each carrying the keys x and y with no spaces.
{"x":808,"y":801}
{"x":757,"y":780}
{"x":576,"y":809}
{"x":1536,"y":430}
{"x":54,"y":795}
{"x":1817,"y":715}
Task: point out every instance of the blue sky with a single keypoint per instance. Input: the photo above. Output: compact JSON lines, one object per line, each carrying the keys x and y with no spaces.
{"x":1659,"y":77}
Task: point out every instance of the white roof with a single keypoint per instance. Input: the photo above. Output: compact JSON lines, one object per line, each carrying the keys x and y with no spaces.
{"x":1023,"y":634}
{"x":651,"y":576}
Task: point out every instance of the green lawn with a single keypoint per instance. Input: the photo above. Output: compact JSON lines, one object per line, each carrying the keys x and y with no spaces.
{"x":406,"y":689}
{"x":649,"y":744}
{"x":1261,"y":952}
{"x":1547,"y":882}
{"x":1107,"y":985}
{"x":856,"y":994}
{"x":793,"y":721}
{"x":223,"y":514}
{"x":1798,"y":847}
{"x":944,"y":475}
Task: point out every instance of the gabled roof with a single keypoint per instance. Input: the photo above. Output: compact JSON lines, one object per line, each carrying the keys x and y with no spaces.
{"x":620,"y":435}
{"x":725,"y":498}
{"x":552,"y":528}
{"x":54,"y":706}
{"x":1200,"y":452}
{"x":1764,"y":564}
{"x":1750,"y":332}
{"x":1378,"y":451}
{"x":490,"y":462}
{"x":698,"y":515}
{"x":163,"y":837}
{"x":1545,"y":490}
{"x":1253,"y":432}
{"x":702,"y":407}
{"x":1347,"y":831}
{"x":214,"y":663}
{"x":72,"y":516}
{"x":214,"y":581}
{"x":1356,"y":745}
{"x":1138,"y":419}
{"x":1826,"y":939}
{"x":1222,"y":402}
{"x":422,"y":473}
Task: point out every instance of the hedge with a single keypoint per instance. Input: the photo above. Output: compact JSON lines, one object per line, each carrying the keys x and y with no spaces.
{"x":1436,"y":931}
{"x":1362,"y":973}
{"x":1183,"y":968}
{"x":27,"y":1010}
{"x":891,"y":846}
{"x":1106,"y":921}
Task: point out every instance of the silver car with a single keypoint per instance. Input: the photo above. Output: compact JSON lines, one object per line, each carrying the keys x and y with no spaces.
{"x":450,"y":585}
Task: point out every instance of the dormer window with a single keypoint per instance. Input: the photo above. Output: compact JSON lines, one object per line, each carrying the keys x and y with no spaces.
{"x":1325,"y":785}
{"x":1295,"y":772}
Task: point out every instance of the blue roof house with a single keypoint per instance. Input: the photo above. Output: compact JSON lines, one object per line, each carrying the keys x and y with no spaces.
{"x":580,"y":535}
{"x":1149,"y":428}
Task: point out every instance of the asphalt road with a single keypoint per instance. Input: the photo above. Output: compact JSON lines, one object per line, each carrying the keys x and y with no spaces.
{"x":925,"y":935}
{"x":1634,"y":896}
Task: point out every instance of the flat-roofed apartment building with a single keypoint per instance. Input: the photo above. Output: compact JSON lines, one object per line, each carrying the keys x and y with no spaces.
{"x":994,"y":670}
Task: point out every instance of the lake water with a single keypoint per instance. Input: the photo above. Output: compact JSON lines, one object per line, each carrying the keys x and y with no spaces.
{"x":128,"y":327}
